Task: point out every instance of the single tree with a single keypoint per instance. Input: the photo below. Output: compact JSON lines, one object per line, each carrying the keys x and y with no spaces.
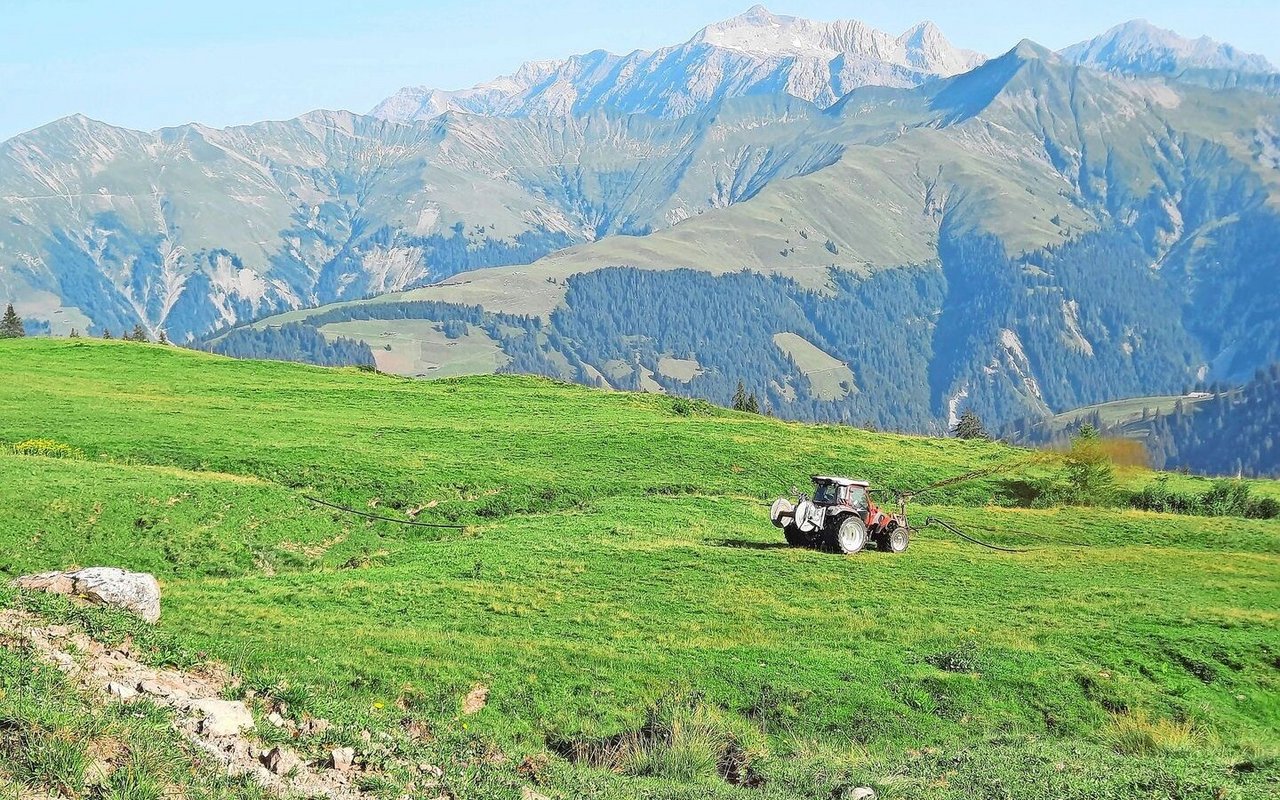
{"x":139,"y":334}
{"x":106,"y":333}
{"x":752,"y":405}
{"x":969,"y":427}
{"x":11,"y":325}
{"x":1089,"y":470}
{"x":75,"y":334}
{"x":162,"y":339}
{"x":740,"y":398}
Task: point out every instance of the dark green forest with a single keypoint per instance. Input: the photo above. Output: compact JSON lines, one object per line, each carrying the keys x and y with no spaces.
{"x":1236,"y":432}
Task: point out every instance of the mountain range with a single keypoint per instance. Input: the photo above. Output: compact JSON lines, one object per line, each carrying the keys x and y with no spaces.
{"x":858,"y":226}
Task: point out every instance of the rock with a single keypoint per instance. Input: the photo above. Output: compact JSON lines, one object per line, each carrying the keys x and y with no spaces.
{"x":315,"y":726}
{"x":280,"y":761}
{"x":98,"y":772}
{"x":52,"y":582}
{"x":135,"y":592}
{"x":156,"y":688}
{"x":222,"y":717}
{"x":121,"y":691}
{"x":861,"y":793}
{"x":275,"y":719}
{"x":342,"y":758}
{"x":476,"y":699}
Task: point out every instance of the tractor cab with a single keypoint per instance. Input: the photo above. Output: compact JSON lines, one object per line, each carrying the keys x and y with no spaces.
{"x":830,"y":491}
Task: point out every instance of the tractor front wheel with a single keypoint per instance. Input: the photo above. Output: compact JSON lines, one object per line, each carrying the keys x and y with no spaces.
{"x":896,"y":540}
{"x":848,"y":537}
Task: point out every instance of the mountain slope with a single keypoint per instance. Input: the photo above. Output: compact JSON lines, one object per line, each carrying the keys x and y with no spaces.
{"x":754,"y":53}
{"x":1061,"y":226}
{"x":191,"y":229}
{"x":617,"y":572}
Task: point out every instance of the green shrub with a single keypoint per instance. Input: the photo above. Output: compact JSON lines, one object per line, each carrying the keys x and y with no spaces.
{"x":48,"y":448}
{"x":1224,"y":498}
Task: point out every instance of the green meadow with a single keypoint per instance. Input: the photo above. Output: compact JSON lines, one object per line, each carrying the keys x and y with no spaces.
{"x":614,"y":582}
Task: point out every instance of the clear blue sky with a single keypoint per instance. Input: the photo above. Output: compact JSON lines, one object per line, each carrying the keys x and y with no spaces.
{"x":149,"y":64}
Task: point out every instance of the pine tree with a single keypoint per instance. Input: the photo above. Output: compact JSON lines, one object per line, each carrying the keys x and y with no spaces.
{"x":752,"y":405}
{"x":11,"y":325}
{"x":162,"y":339}
{"x":75,"y":334}
{"x":106,"y":333}
{"x":740,"y":398}
{"x":139,"y":334}
{"x":969,"y":427}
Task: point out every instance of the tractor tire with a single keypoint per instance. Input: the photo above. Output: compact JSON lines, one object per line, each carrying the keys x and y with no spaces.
{"x":896,"y":540}
{"x":795,"y":538}
{"x":849,"y":537}
{"x":781,"y":512}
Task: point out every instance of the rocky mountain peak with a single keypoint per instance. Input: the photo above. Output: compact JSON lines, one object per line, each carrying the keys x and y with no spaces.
{"x":816,"y":61}
{"x":1138,"y":47}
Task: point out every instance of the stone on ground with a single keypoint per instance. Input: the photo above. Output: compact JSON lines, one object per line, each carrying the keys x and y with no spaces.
{"x":281,"y":761}
{"x":342,"y":758}
{"x":222,"y":717}
{"x":135,"y":592}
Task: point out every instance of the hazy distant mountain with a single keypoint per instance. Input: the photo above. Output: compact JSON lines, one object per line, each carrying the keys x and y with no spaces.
{"x":755,"y":53}
{"x":1139,"y":48}
{"x":1020,"y":237}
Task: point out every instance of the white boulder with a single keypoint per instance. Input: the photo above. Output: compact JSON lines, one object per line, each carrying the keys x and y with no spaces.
{"x":135,"y":592}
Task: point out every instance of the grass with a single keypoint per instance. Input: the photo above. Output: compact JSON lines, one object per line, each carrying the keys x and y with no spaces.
{"x":829,"y":377}
{"x":1126,"y":414}
{"x":640,"y":628}
{"x":419,"y":348}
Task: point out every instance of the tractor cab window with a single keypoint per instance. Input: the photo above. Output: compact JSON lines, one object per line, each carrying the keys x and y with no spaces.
{"x":826,"y":493}
{"x":858,"y":497}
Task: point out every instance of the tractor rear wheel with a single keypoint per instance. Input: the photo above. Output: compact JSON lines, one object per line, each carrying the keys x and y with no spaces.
{"x":896,"y":540}
{"x":848,"y":537}
{"x":795,"y":538}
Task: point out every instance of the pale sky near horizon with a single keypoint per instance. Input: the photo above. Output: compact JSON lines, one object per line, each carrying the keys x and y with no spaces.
{"x":149,"y":64}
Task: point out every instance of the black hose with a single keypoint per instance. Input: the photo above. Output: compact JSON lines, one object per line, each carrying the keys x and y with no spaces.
{"x":940,"y":523}
{"x":385,"y":519}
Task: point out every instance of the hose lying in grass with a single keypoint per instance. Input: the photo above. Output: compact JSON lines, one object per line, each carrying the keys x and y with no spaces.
{"x":385,"y":519}
{"x":948,"y":526}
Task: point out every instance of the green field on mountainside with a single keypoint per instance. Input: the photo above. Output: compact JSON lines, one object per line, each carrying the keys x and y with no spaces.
{"x":1128,"y":414}
{"x":640,"y":627}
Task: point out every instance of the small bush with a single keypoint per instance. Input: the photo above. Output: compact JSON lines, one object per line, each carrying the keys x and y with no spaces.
{"x":1224,"y":498}
{"x":963,"y":657}
{"x":47,"y":448}
{"x":1137,"y":734}
{"x":683,"y":739}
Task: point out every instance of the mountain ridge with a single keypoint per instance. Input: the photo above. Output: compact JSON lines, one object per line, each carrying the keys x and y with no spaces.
{"x":1138,"y":47}
{"x":754,"y":51}
{"x":1028,"y":179}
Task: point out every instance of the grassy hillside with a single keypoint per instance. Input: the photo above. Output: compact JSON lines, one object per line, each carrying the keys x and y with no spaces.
{"x":618,"y":589}
{"x":1129,"y":417}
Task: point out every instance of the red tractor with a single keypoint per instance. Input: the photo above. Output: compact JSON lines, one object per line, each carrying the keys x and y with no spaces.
{"x":841,"y":517}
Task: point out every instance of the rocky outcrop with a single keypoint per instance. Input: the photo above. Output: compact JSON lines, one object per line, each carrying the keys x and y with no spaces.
{"x":135,"y":592}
